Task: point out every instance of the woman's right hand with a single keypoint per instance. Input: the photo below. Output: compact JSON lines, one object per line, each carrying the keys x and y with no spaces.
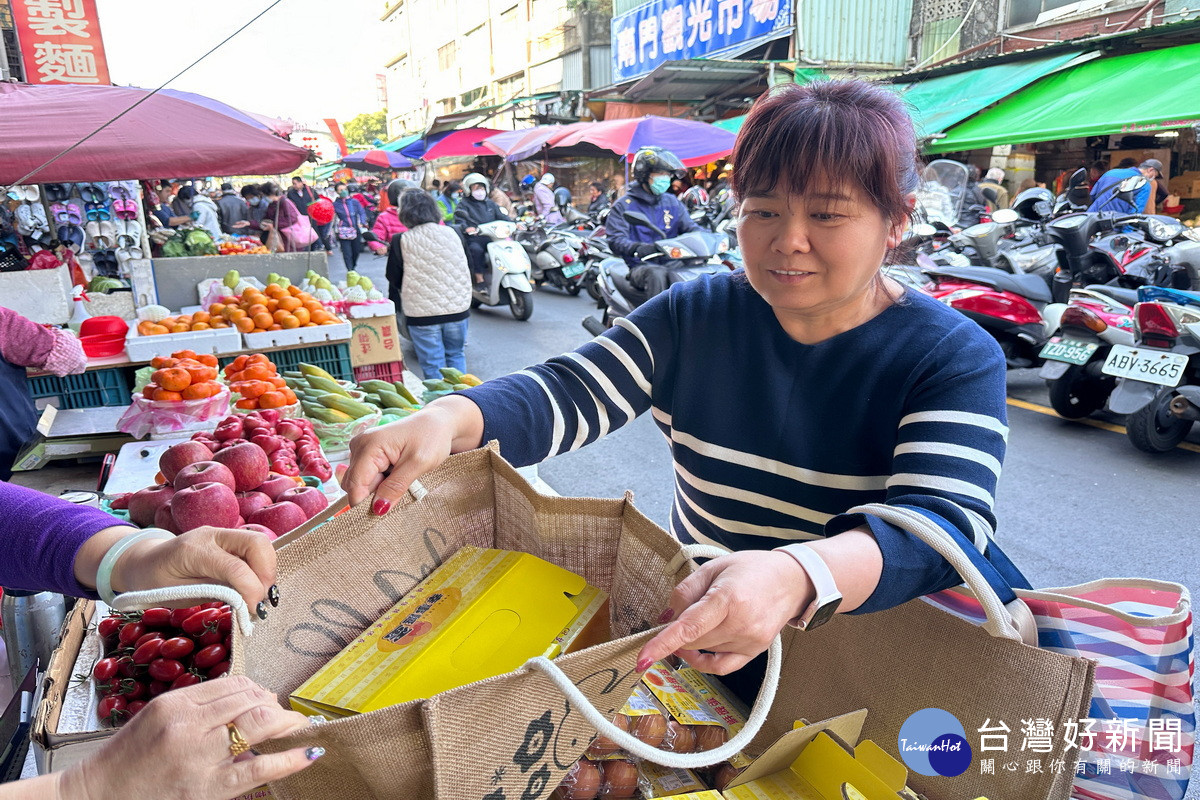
{"x":178,"y":746}
{"x":386,"y":460}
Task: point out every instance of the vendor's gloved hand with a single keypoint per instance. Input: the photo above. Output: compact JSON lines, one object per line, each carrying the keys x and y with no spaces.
{"x":179,"y":746}
{"x":642,"y":250}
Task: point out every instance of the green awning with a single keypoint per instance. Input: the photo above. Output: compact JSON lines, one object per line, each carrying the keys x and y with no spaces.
{"x":400,"y":143}
{"x":1135,"y":93}
{"x":733,"y":124}
{"x":937,"y":103}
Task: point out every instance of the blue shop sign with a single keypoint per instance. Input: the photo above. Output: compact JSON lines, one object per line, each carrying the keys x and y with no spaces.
{"x":675,"y":30}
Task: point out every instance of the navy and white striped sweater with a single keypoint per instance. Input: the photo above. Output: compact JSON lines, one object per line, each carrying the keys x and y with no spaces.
{"x":772,"y":440}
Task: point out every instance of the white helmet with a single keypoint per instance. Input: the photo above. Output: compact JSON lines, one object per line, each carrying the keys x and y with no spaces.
{"x":548,"y":179}
{"x":475,"y":178}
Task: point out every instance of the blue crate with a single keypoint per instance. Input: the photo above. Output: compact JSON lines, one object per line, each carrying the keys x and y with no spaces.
{"x":101,"y":387}
{"x":333,"y":358}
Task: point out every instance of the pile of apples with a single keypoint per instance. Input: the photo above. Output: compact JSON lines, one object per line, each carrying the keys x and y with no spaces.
{"x":245,"y":474}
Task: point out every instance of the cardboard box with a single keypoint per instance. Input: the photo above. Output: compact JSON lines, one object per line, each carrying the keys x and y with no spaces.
{"x":481,"y":614}
{"x":374,"y":340}
{"x":1185,"y":185}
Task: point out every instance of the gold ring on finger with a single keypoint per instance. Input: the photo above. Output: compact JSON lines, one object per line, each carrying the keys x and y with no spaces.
{"x":237,"y":742}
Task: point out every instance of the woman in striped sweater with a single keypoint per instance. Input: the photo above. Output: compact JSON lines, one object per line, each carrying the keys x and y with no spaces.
{"x":837,"y":387}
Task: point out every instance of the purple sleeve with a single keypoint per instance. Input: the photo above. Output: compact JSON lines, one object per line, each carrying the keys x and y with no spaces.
{"x":40,"y":537}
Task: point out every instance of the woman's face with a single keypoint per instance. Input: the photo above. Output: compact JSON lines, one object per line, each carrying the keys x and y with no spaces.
{"x":814,"y":253}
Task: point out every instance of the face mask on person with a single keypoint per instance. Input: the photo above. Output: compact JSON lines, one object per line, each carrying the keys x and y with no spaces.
{"x":343,"y":193}
{"x":660,"y":184}
{"x":478,"y":193}
{"x":255,"y":201}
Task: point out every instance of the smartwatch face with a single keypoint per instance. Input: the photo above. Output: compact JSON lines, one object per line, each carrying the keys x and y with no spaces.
{"x":823,"y":614}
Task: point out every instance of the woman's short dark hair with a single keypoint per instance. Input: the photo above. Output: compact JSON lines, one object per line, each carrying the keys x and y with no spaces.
{"x":837,"y":129}
{"x":270,"y":189}
{"x":250,"y":190}
{"x":417,"y":207}
{"x":599,"y":186}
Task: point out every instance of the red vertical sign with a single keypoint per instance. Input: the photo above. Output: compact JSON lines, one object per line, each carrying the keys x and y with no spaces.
{"x":60,"y":41}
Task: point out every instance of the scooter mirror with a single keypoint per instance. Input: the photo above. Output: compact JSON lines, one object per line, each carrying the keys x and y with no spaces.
{"x":924,"y":229}
{"x":1078,"y":178}
{"x":1005,"y":216}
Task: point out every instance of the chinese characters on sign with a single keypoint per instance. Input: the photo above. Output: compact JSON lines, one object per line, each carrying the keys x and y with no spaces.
{"x":60,"y":41}
{"x":672,"y":30}
{"x":1102,"y":747}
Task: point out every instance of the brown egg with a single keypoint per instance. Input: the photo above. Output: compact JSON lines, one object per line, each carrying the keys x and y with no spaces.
{"x":722,"y":775}
{"x":709,"y":737}
{"x":620,"y":779}
{"x":604,"y":746}
{"x":581,"y":783}
{"x":651,"y":729}
{"x":679,"y":738}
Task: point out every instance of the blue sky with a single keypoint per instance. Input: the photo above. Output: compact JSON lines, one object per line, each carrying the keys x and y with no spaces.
{"x":305,"y":59}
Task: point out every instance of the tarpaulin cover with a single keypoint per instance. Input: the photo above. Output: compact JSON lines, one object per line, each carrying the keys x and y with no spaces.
{"x":1135,"y":93}
{"x":695,"y":143}
{"x":163,"y":137}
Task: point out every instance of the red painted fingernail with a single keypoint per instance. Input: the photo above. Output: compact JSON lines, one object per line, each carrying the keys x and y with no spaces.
{"x":666,"y":617}
{"x":381,"y":507}
{"x":644,"y":664}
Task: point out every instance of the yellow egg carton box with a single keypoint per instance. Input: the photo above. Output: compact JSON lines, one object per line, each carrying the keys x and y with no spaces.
{"x":480,"y":614}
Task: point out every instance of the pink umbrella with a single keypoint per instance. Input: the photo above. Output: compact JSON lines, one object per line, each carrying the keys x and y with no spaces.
{"x":450,"y":144}
{"x":161,"y":137}
{"x":695,"y":143}
{"x":519,"y":145}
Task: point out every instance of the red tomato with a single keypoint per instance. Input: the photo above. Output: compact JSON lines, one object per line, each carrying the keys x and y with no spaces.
{"x":109,"y":627}
{"x":156,"y":617}
{"x":209,"y":657}
{"x":148,"y":651}
{"x":208,"y":637}
{"x":135,"y":707}
{"x":132,"y":689}
{"x":105,"y":670}
{"x":166,"y":669}
{"x":186,"y":679}
{"x":126,"y":667}
{"x":225,"y":621}
{"x":113,"y":710}
{"x":180,"y":614}
{"x":219,"y":670}
{"x":177,"y":647}
{"x":158,"y":687}
{"x":131,"y":632}
{"x":148,"y":637}
{"x":213,"y":604}
{"x":201,"y":621}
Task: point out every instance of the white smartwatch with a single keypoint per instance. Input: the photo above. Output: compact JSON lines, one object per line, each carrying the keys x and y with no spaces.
{"x":828,"y":598}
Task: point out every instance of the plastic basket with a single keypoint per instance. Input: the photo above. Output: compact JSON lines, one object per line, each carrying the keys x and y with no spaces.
{"x":333,"y":358}
{"x":101,"y":387}
{"x":391,"y":372}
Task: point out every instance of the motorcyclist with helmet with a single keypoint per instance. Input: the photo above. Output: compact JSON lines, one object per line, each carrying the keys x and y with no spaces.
{"x":388,"y":224}
{"x":632,"y":239}
{"x":473,"y":210}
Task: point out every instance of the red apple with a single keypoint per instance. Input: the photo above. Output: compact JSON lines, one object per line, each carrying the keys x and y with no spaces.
{"x":311,"y":500}
{"x":271,"y":415}
{"x":205,"y":504}
{"x":247,"y":462}
{"x":319,"y":468}
{"x":288,"y":429}
{"x":279,"y":517}
{"x":165,"y":519}
{"x":249,"y":502}
{"x":267,"y":442}
{"x":144,"y":504}
{"x":270,"y":534}
{"x":229,"y":428}
{"x":286,"y":465}
{"x":203,"y":472}
{"x":178,"y":456}
{"x":121,"y":500}
{"x":276,"y":485}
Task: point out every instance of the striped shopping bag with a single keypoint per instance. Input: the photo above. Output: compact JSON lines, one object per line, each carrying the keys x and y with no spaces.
{"x":1139,"y":739}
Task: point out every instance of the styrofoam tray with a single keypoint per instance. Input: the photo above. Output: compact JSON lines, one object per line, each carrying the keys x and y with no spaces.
{"x":217,"y":341}
{"x":295,"y":336}
{"x":376,"y":308}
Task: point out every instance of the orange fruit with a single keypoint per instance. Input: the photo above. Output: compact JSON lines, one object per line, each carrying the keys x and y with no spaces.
{"x":275,"y":327}
{"x":251,"y":389}
{"x":330,"y":321}
{"x":275,"y":290}
{"x":313,"y":305}
{"x":305,"y":297}
{"x":201,"y":373}
{"x":290,"y":304}
{"x":263,"y":320}
{"x":289,"y":395}
{"x":186,"y":319}
{"x":257,"y":372}
{"x":180,"y":327}
{"x":294,"y":290}
{"x":172,"y":379}
{"x":157,"y":330}
{"x":310,"y":325}
{"x":219,"y":323}
{"x":246,"y":404}
{"x":208,"y":360}
{"x":164,"y":396}
{"x":321,"y":317}
{"x":159,"y":362}
{"x":149,"y":391}
{"x":272,"y":400}
{"x":258,"y":358}
{"x":201,"y":316}
{"x":302,"y":315}
{"x":280,"y":315}
{"x":277,"y":381}
{"x":289,"y":322}
{"x":217,"y":308}
{"x":199,"y":391}
{"x":143,"y":327}
{"x":272,"y":305}
{"x":257,"y":308}
{"x":245,"y":324}
{"x":201,"y":326}
{"x":184,"y":354}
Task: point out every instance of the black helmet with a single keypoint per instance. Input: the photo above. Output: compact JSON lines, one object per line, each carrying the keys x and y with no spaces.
{"x":1027,"y":201}
{"x":654,"y":159}
{"x":562,"y":197}
{"x":396,"y":188}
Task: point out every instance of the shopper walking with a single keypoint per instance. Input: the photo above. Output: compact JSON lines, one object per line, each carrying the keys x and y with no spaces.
{"x":235,"y":214}
{"x":282,"y":215}
{"x":543,"y":200}
{"x":429,"y":281}
{"x":388,"y":223}
{"x":350,"y":222}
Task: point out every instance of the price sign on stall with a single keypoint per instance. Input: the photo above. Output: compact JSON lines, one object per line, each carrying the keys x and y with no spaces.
{"x":60,"y":41}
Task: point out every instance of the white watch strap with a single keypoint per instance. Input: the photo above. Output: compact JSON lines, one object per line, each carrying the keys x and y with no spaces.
{"x":818,"y":572}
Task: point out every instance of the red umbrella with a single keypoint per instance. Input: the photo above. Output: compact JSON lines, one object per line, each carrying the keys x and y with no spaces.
{"x":451,"y":144}
{"x":161,"y":137}
{"x":519,"y":145}
{"x":695,"y":143}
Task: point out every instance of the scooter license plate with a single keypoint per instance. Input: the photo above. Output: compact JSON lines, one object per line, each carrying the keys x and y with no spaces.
{"x":1144,"y":364}
{"x":571,"y":270}
{"x":1068,"y":350}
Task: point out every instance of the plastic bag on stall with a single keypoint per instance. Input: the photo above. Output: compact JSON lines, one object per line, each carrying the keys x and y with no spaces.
{"x":158,"y":418}
{"x":335,"y":436}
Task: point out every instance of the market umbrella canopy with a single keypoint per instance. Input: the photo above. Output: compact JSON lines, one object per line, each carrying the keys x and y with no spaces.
{"x":162,"y":137}
{"x":695,"y":143}
{"x":1134,"y":93}
{"x":519,"y":145}
{"x":450,"y":144}
{"x":377,"y":159}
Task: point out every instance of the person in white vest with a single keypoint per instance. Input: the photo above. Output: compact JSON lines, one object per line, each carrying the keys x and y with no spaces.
{"x":431,"y":283}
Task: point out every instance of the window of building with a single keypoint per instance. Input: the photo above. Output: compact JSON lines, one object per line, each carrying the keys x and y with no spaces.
{"x":1024,"y":12}
{"x":510,"y":87}
{"x":446,"y":55}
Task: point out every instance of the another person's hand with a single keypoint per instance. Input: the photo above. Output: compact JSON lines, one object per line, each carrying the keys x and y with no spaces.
{"x":266,"y":225}
{"x":178,"y":747}
{"x":386,"y":460}
{"x":243,"y":224}
{"x":643,"y":250}
{"x":731,"y":607}
{"x":472,"y":231}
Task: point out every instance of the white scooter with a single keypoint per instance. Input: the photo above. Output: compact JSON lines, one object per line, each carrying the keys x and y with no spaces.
{"x":508,"y":279}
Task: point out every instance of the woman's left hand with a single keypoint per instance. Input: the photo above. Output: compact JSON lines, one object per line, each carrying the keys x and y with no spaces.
{"x":731,"y":607}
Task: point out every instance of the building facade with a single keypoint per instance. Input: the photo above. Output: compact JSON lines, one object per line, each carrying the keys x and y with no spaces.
{"x":452,"y":56}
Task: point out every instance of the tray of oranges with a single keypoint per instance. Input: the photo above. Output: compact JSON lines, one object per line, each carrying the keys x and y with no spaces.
{"x":198,"y":332}
{"x":184,"y":394}
{"x":276,"y":316}
{"x":257,"y":384}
